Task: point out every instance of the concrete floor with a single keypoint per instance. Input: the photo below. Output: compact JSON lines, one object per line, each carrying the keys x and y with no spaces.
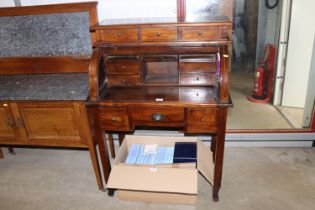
{"x":254,"y":178}
{"x":293,"y":115}
{"x":249,"y":115}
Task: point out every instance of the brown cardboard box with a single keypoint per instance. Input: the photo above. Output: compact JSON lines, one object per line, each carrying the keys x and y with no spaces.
{"x":173,"y":183}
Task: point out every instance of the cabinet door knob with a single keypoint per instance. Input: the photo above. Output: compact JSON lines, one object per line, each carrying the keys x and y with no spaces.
{"x":158,"y":34}
{"x":113,"y":119}
{"x":10,"y":122}
{"x":119,"y":34}
{"x":157,"y":117}
{"x":197,"y":78}
{"x":200,"y":33}
{"x":19,"y":123}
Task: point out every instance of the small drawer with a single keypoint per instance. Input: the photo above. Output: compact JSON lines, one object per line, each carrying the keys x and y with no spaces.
{"x":200,"y":33}
{"x":122,"y":66}
{"x":197,"y":79}
{"x":157,"y":116}
{"x":114,"y":119}
{"x":201,"y":120}
{"x":123,"y":79}
{"x":117,"y":35}
{"x":159,"y":34}
{"x":197,"y":67}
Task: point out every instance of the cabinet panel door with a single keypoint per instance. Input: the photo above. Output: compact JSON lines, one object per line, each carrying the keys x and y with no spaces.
{"x":6,"y":125}
{"x":50,"y":124}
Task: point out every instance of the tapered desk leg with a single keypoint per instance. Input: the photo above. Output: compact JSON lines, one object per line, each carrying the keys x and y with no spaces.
{"x":100,"y":134}
{"x":219,"y":153}
{"x":111,"y":144}
{"x":11,"y":150}
{"x":213,"y":146}
{"x":91,"y":142}
{"x":121,"y":137}
{"x":95,"y":162}
{"x":1,"y":154}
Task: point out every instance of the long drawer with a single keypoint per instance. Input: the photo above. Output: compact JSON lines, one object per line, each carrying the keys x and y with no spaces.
{"x":158,"y":116}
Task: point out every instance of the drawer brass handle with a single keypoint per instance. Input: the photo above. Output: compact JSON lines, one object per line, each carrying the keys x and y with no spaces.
{"x":119,"y":34}
{"x":157,"y":117}
{"x":158,"y":34}
{"x":200,"y":33}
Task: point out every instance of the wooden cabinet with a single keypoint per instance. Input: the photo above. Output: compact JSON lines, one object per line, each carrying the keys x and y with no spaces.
{"x":47,"y":124}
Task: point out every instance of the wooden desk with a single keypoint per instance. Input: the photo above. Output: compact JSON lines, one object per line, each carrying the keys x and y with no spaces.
{"x":165,"y":73}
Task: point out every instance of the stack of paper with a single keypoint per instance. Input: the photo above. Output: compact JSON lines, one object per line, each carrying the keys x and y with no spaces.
{"x":151,"y":154}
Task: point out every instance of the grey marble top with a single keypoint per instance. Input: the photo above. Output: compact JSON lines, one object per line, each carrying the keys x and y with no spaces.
{"x":45,"y":35}
{"x":44,"y":87}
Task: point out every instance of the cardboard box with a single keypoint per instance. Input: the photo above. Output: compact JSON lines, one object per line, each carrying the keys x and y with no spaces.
{"x":172,"y":183}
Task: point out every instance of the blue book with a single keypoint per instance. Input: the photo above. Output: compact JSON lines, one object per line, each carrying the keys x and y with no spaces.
{"x":185,"y":152}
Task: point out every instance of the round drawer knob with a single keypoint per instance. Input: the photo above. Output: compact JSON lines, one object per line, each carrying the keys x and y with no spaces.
{"x":119,"y":34}
{"x":157,"y":117}
{"x":158,"y":34}
{"x":197,"y":78}
{"x":114,"y":119}
{"x":200,"y":33}
{"x":123,"y":67}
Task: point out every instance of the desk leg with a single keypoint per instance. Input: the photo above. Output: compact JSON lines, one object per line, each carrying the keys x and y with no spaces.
{"x":1,"y":154}
{"x":11,"y":150}
{"x":95,"y":163}
{"x":213,"y":146}
{"x":100,"y":134}
{"x":219,"y":153}
{"x":111,"y":144}
{"x":121,"y":137}
{"x":91,"y":142}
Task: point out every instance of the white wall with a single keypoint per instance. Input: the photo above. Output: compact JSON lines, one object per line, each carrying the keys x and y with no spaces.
{"x":121,"y":8}
{"x":310,"y":95}
{"x":139,"y":8}
{"x":300,"y":48}
{"x":7,"y":3}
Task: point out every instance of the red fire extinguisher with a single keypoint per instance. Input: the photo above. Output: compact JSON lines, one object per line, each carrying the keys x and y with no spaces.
{"x":264,"y":77}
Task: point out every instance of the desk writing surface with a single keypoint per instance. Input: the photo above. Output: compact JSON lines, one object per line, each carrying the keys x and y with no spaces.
{"x":160,"y":94}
